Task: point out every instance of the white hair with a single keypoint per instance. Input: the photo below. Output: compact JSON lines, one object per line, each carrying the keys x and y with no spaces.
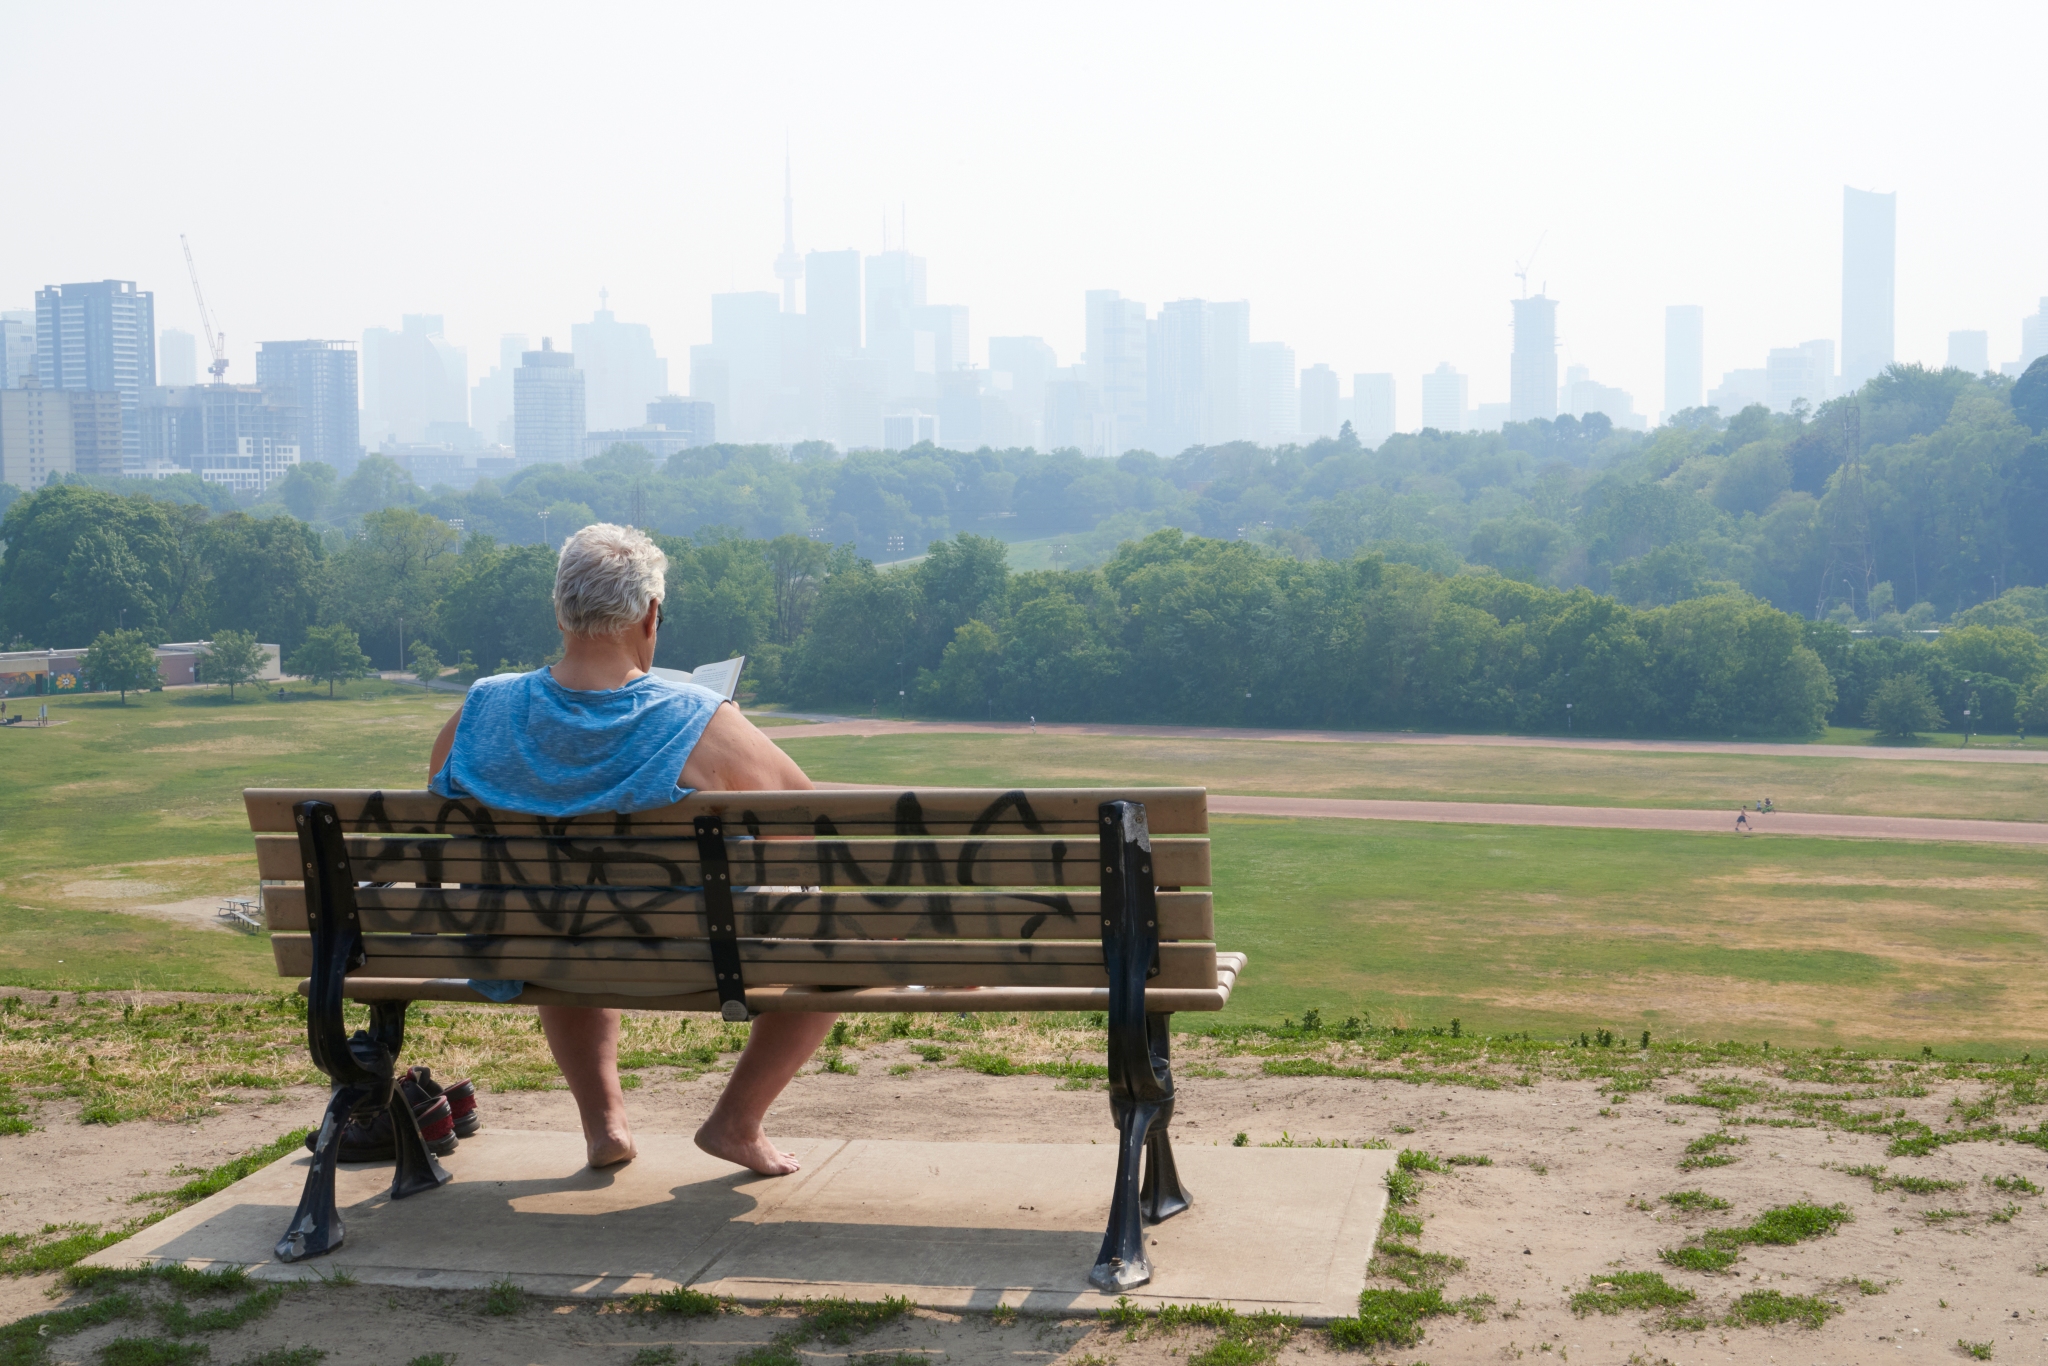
{"x":605,"y":578}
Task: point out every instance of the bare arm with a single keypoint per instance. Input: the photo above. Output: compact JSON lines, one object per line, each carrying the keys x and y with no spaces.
{"x":443,"y":742}
{"x":734,"y":756}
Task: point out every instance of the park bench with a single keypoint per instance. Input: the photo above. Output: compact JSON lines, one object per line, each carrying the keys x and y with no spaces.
{"x":736,"y":903}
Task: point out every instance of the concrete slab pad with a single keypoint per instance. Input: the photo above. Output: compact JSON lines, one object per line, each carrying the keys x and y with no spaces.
{"x":950,"y":1225}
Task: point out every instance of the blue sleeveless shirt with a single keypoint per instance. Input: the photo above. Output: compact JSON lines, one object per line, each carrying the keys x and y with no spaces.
{"x":526,"y":743}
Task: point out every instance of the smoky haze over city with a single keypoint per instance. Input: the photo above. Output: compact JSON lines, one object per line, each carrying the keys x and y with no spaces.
{"x":1346,"y":187}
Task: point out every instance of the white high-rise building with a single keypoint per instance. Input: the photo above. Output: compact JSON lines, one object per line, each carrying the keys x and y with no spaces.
{"x":1114,"y":364}
{"x":1321,"y":408}
{"x":547,"y":407}
{"x":1969,"y":352}
{"x":1196,"y":368}
{"x":177,"y":358}
{"x":1372,"y":408}
{"x":100,"y":337}
{"x":1685,"y":358}
{"x":1803,"y":372}
{"x":1532,"y":385}
{"x":1583,"y":395}
{"x":490,"y":402}
{"x":1272,"y":409}
{"x":621,"y":372}
{"x":1444,"y":395}
{"x":2033,"y":340}
{"x":1869,"y":269}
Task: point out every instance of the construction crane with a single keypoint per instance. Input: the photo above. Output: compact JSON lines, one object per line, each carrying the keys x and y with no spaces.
{"x":216,"y":339}
{"x":1521,"y":270}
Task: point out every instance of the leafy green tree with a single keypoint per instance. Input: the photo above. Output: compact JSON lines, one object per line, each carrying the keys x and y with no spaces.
{"x":2030,"y":396}
{"x":265,"y":576}
{"x":235,"y":657}
{"x":2010,"y":652}
{"x":124,"y":660}
{"x":331,"y":655}
{"x":307,"y":491}
{"x":81,"y":561}
{"x":426,"y":665}
{"x":1902,"y":706}
{"x":395,"y":570}
{"x":498,"y":603}
{"x":2033,"y":712}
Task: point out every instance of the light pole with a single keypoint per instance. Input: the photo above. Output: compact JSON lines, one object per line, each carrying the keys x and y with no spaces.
{"x":401,"y":640}
{"x":1567,"y":718}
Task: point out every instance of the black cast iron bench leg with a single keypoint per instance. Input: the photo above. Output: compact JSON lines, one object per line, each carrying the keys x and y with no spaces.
{"x":1148,"y":1186}
{"x":363,"y":1068}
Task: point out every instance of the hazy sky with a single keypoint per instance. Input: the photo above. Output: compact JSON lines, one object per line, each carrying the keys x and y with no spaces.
{"x":1367,"y":175}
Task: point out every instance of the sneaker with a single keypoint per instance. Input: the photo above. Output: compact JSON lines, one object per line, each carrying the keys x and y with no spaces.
{"x":461,"y":1097}
{"x":371,"y":1140}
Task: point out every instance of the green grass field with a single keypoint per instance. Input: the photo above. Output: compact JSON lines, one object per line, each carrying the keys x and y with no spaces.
{"x":1504,"y":928}
{"x":1802,"y":780}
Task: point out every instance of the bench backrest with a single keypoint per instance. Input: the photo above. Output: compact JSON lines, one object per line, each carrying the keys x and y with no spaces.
{"x":940,"y":887}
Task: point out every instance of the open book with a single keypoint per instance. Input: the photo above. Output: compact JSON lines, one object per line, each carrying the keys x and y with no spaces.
{"x":722,"y":678}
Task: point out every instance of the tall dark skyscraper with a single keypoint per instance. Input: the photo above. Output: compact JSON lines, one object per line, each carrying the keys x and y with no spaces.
{"x":1869,"y":272}
{"x":100,"y":338}
{"x":1532,"y":380}
{"x":318,"y":379}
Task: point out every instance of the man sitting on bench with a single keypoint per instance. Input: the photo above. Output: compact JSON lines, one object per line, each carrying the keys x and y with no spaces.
{"x":598,"y":733}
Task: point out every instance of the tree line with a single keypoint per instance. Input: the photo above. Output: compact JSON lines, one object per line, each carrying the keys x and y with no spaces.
{"x":1904,"y":504}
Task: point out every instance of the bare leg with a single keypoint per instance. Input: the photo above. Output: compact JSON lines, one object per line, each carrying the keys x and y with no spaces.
{"x":585,"y":1042}
{"x":778,"y":1044}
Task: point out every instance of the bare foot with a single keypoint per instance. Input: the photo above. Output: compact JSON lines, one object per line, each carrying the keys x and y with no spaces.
{"x":610,"y":1150}
{"x":754,"y":1152}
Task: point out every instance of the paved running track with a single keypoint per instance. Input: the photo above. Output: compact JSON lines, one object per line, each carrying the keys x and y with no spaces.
{"x":1917,"y":828}
{"x":1637,"y":818}
{"x":865,"y":726}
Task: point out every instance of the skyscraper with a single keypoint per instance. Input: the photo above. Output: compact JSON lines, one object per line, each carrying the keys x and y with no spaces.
{"x":51,"y":431}
{"x":1970,"y":352}
{"x":696,"y":422}
{"x":412,"y":377}
{"x":1685,"y":358}
{"x":740,"y":371}
{"x":1806,"y":371}
{"x":1532,"y":382}
{"x":547,"y":407}
{"x":832,"y":301}
{"x":100,"y":338}
{"x":177,"y":358}
{"x":1869,"y":265}
{"x":17,"y":347}
{"x":895,"y":291}
{"x":1372,"y":408}
{"x":1321,"y":412}
{"x":318,"y":379}
{"x":490,"y":402}
{"x":1444,"y":404}
{"x":1272,"y":408}
{"x":620,"y":370}
{"x":1114,"y":364}
{"x":2033,"y":337}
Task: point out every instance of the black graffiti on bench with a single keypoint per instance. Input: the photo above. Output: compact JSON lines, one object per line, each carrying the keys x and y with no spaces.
{"x":580,"y":896}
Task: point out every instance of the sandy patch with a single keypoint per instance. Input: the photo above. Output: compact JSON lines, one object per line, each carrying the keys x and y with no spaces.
{"x":230,"y":744}
{"x":1573,"y":1192}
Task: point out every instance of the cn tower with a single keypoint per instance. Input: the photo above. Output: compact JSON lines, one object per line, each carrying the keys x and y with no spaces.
{"x":789,"y":267}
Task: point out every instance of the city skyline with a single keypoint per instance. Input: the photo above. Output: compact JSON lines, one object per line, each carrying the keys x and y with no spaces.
{"x":1379,"y":236}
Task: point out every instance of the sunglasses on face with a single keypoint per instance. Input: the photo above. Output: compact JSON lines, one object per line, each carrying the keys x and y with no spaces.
{"x":660,"y":617}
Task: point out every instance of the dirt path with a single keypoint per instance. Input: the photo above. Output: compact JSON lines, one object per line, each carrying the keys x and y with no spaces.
{"x":1638,"y":818}
{"x":824,"y":724}
{"x":1573,"y":1192}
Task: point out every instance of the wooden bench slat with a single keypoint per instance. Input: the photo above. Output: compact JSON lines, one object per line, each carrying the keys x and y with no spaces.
{"x":597,"y":860}
{"x":686,"y":963}
{"x":672,"y":914}
{"x":864,"y":1000}
{"x":866,"y":811}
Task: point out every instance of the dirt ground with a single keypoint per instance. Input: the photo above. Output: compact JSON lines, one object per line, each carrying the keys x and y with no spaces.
{"x":1572,"y":1193}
